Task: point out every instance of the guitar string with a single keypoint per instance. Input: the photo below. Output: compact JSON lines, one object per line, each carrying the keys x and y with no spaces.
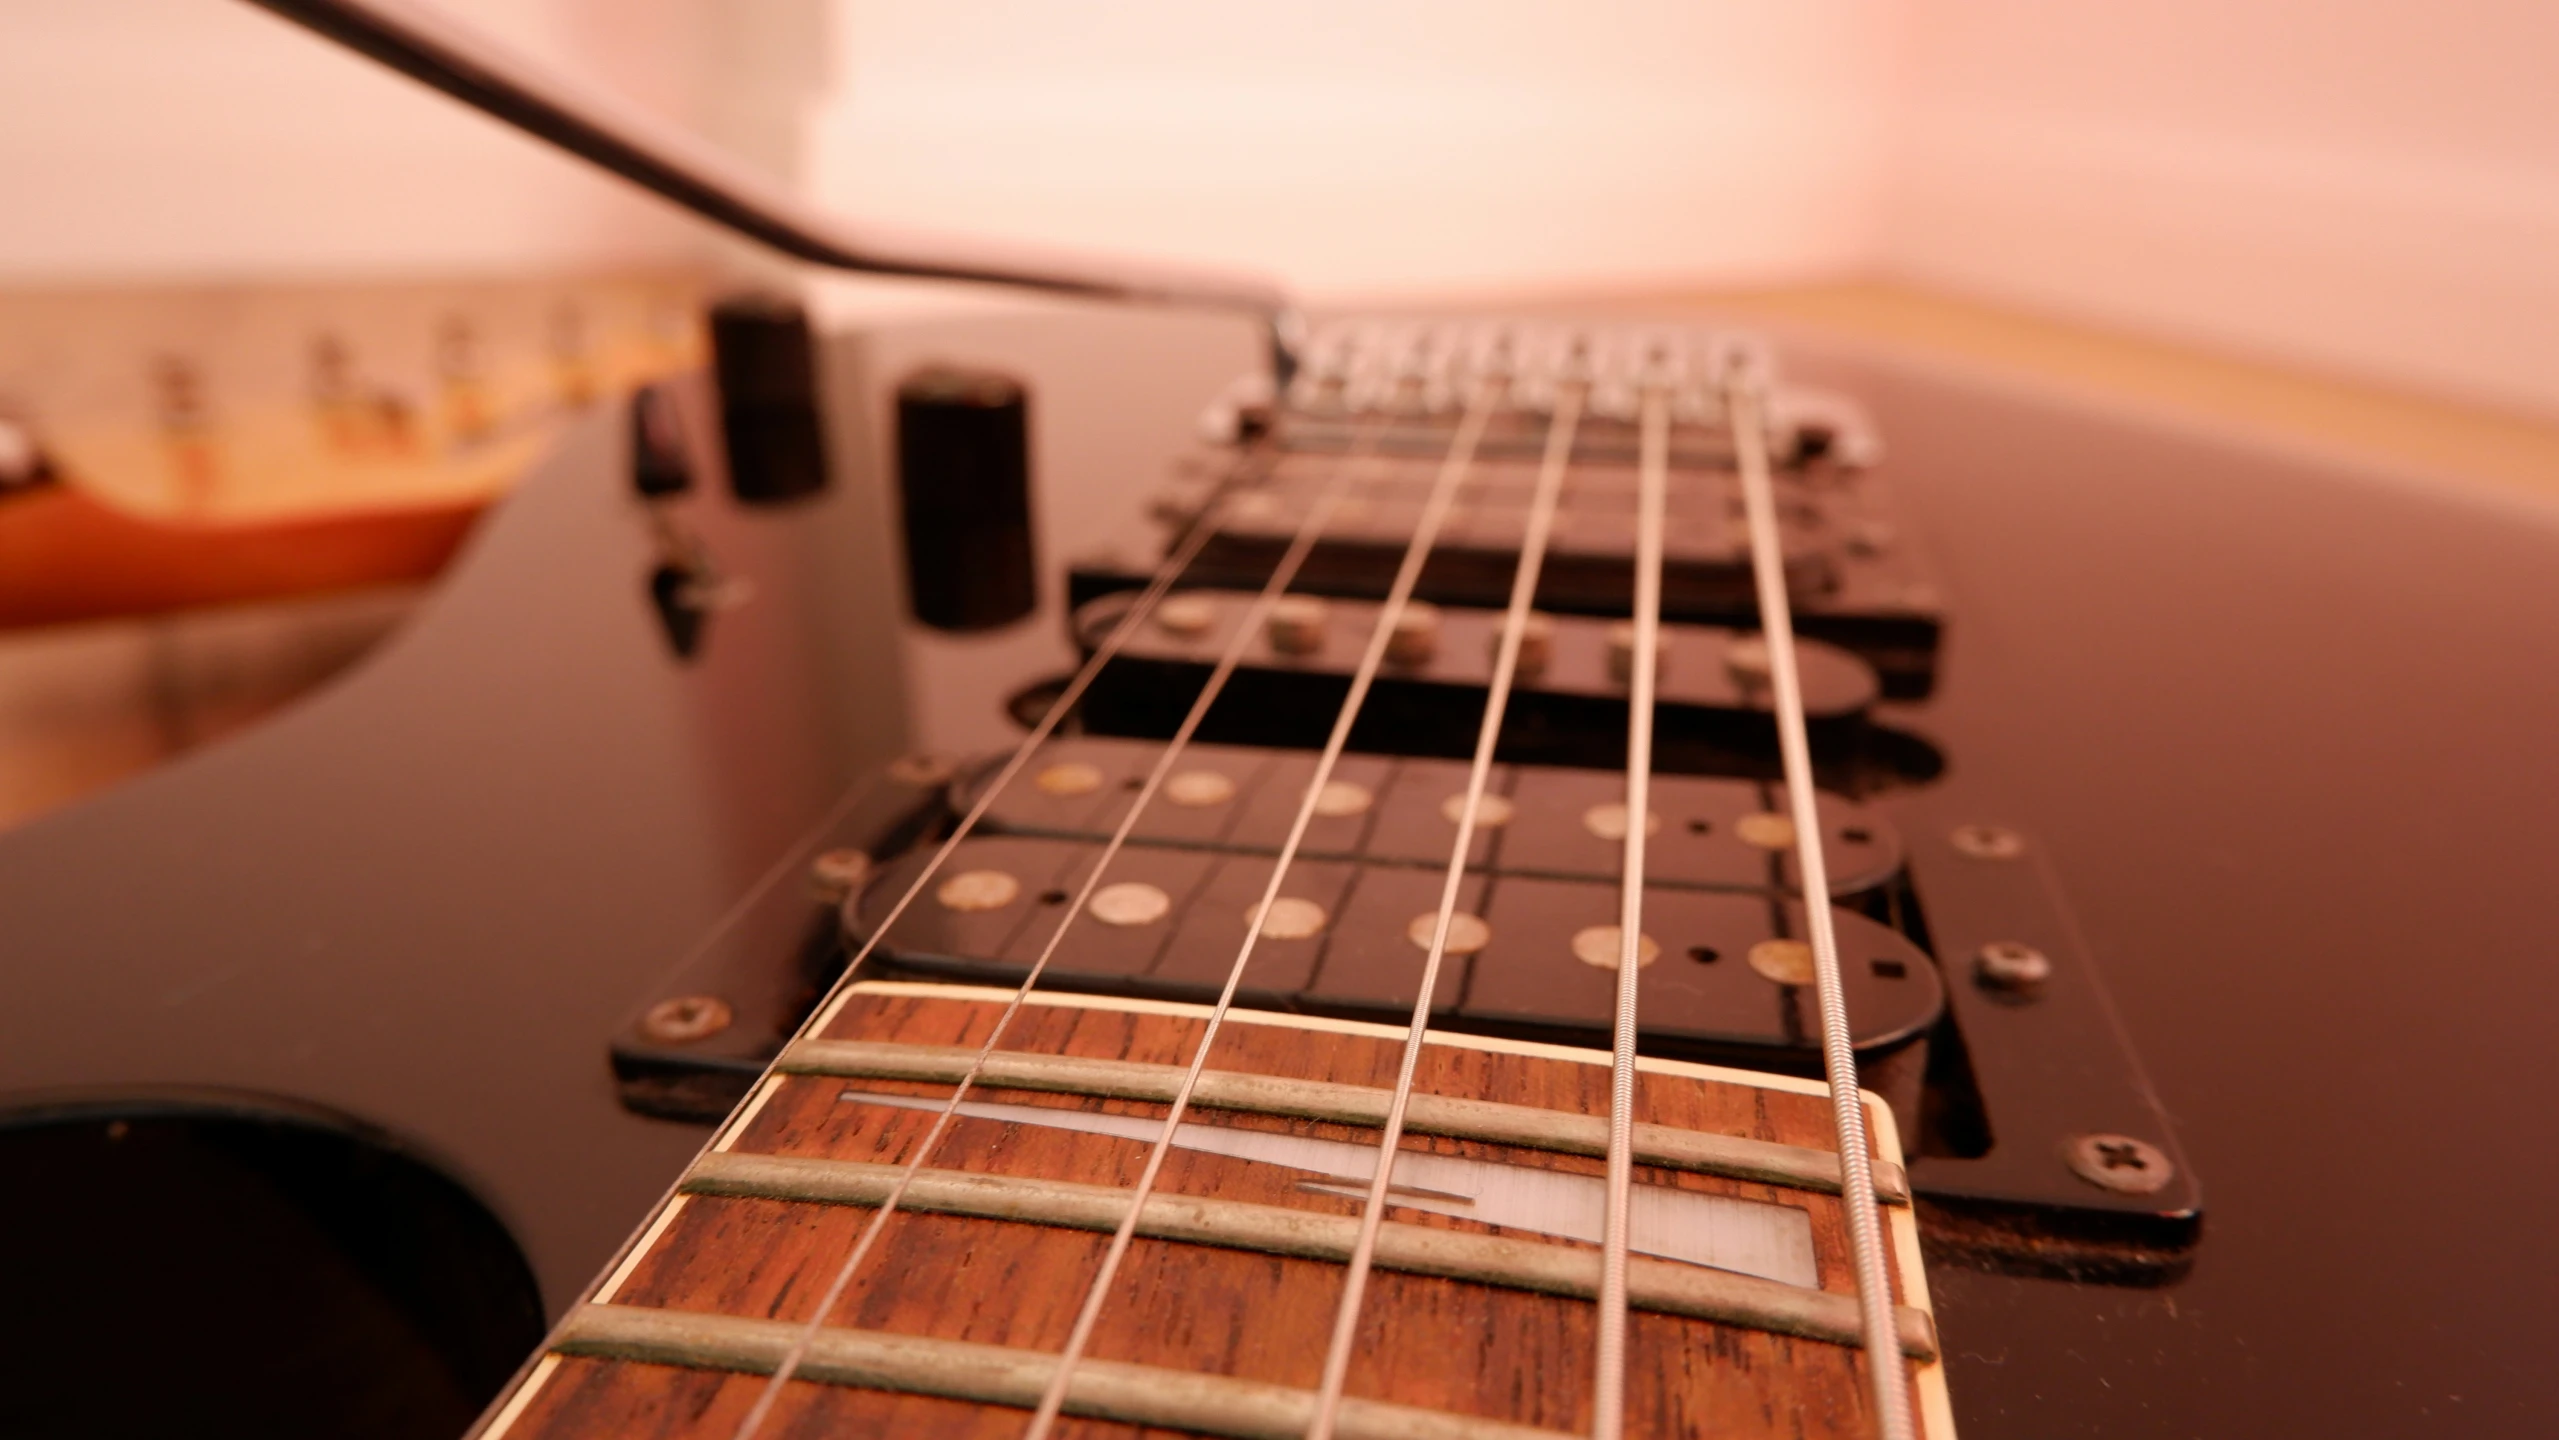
{"x":1552,"y":469}
{"x":1743,"y":402}
{"x":1454,"y":467}
{"x":1319,"y":515}
{"x":1608,"y":1406}
{"x":1175,"y":563}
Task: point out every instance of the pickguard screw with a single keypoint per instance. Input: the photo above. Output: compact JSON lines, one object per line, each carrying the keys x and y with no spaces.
{"x":2011,"y":966}
{"x":686,"y":1018}
{"x":1987,"y":842}
{"x":2119,"y":1163}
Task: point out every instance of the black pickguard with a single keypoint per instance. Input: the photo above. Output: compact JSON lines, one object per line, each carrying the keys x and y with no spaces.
{"x":2279,"y":730}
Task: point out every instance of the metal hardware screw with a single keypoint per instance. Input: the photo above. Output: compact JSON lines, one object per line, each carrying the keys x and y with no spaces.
{"x":1536,"y":643}
{"x":1746,"y":660}
{"x":1290,"y":918}
{"x":838,"y":873}
{"x":1340,"y":798}
{"x":1198,"y":789}
{"x":1069,"y":779}
{"x":2119,"y":1163}
{"x":1185,"y":616}
{"x":1492,"y":812}
{"x":1416,"y":635}
{"x":923,"y":771}
{"x":1599,"y":947}
{"x":1607,"y":820}
{"x":1621,"y":651}
{"x":2008,"y":965}
{"x":972,"y":890}
{"x":1296,"y":624}
{"x":1765,"y":831}
{"x":1987,"y":842}
{"x":1788,"y":962}
{"x":1131,"y":902}
{"x":1466,"y":933}
{"x":686,"y":1018}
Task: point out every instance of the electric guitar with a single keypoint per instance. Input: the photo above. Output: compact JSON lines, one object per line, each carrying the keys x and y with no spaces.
{"x":1660,"y":793}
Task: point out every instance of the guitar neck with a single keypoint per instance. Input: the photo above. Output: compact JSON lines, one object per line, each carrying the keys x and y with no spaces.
{"x":1478,"y":1319}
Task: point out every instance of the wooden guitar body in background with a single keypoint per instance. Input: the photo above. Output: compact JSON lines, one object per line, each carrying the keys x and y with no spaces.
{"x":2277,"y":731}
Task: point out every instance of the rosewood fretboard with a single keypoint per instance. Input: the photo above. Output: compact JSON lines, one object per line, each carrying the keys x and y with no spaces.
{"x":1469,"y":1328}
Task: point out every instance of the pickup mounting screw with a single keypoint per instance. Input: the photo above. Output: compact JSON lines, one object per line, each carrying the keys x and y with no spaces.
{"x":1765,"y":831}
{"x":1069,"y":779}
{"x":1186,"y":616}
{"x":1296,"y":624}
{"x":1492,"y":812}
{"x":1131,"y":902}
{"x":838,"y":873}
{"x":2119,"y":1163}
{"x":1787,"y":962}
{"x":1341,"y":798}
{"x":974,"y":890}
{"x":1466,"y":933}
{"x":920,"y":770}
{"x":1536,"y":643}
{"x":2011,"y":966}
{"x":1602,"y":946}
{"x":1290,"y":918}
{"x":1621,"y":651}
{"x":1987,"y":842}
{"x":686,"y":1018}
{"x":1746,"y":660}
{"x":1198,"y":789}
{"x":1415,"y":638}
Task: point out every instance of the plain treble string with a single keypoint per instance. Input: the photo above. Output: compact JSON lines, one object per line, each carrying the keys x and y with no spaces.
{"x":1454,"y":467}
{"x":1744,"y":404}
{"x":1608,"y":1410}
{"x":1139,"y":610}
{"x":1556,"y":463}
{"x":1171,"y":570}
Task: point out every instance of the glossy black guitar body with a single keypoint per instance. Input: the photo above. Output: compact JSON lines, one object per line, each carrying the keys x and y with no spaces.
{"x":2274,"y":735}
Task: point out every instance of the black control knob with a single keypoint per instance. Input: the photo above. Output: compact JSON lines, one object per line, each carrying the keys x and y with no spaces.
{"x":766,"y":365}
{"x":964,"y":480}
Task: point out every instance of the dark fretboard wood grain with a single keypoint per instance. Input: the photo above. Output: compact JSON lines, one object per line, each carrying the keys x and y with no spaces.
{"x":1441,"y":1344}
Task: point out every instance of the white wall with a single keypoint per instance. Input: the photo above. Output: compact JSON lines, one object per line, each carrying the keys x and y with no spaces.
{"x":1359,"y":147}
{"x":204,"y":139}
{"x":2368,"y":185}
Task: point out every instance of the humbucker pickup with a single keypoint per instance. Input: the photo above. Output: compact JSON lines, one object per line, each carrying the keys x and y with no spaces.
{"x":1855,"y":578}
{"x":1569,"y":701}
{"x":1532,"y":955}
{"x":1535,"y":820}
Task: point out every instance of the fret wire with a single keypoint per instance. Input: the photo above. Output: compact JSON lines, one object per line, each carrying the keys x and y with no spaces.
{"x":1138,"y":611}
{"x":1743,"y":402}
{"x":1171,"y":570}
{"x":1550,"y":479}
{"x":1282,"y":575}
{"x":1608,"y":1409}
{"x":1454,"y":466}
